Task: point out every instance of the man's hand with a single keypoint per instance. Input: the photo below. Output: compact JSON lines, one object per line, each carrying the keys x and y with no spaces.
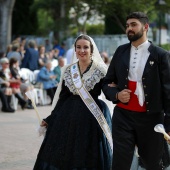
{"x":124,"y":95}
{"x":168,"y":140}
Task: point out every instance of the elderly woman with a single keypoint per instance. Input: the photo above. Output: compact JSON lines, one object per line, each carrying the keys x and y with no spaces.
{"x":5,"y":96}
{"x":48,"y":78}
{"x":5,"y":74}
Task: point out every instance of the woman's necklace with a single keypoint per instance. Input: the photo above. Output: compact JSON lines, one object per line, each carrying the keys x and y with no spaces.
{"x":85,"y":69}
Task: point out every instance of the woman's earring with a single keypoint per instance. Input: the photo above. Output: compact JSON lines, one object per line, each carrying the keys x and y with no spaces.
{"x":91,"y":56}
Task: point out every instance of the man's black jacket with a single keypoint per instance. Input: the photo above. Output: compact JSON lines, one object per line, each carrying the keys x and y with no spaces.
{"x":155,"y":79}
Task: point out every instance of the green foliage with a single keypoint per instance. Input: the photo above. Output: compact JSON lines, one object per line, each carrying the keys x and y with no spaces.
{"x":55,"y":15}
{"x":41,"y":16}
{"x":95,"y":29}
{"x":111,"y":26}
{"x":24,"y":21}
{"x":73,"y":31}
{"x":45,"y":22}
{"x":166,"y":46}
{"x":117,"y":10}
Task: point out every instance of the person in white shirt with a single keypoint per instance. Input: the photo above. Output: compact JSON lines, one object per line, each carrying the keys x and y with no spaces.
{"x":69,"y":55}
{"x":141,"y":73}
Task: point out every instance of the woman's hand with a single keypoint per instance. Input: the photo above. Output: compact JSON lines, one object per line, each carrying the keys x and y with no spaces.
{"x":18,"y":81}
{"x":52,"y":77}
{"x":7,"y":84}
{"x":112,"y":84}
{"x":43,"y":123}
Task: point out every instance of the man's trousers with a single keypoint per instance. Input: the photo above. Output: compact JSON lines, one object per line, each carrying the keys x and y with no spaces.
{"x":131,"y":128}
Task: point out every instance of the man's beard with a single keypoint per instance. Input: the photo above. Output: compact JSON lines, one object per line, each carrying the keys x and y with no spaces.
{"x":135,"y":37}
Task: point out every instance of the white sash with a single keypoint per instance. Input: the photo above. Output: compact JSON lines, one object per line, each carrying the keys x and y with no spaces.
{"x":90,"y":103}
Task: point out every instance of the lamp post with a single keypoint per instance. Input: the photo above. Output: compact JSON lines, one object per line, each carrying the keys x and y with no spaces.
{"x":160,"y":2}
{"x":160,"y":23}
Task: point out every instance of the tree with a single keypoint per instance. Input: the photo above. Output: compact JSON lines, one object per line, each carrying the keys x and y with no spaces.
{"x":24,"y":20}
{"x":116,"y":10}
{"x":61,"y":10}
{"x":82,"y":11}
{"x":58,"y":12}
{"x":6,"y":7}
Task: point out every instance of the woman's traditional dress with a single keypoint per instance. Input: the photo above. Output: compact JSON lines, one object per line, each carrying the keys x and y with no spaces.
{"x":74,"y":139}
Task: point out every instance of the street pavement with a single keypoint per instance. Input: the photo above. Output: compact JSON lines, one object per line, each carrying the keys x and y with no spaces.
{"x":19,"y":140}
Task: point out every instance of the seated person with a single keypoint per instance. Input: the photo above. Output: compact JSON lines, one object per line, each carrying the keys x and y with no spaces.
{"x":5,"y":74}
{"x":24,"y":87}
{"x":5,"y":96}
{"x":43,"y":57}
{"x":57,"y":69}
{"x":48,"y":78}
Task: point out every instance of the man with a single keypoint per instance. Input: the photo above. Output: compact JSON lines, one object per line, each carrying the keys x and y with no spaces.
{"x":62,"y":50}
{"x":48,"y":46}
{"x":31,"y":57}
{"x":141,"y":72}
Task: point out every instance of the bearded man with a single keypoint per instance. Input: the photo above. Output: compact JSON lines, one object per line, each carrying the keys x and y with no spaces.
{"x":141,"y":72}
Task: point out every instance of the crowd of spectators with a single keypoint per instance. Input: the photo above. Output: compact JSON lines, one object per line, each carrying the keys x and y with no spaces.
{"x":25,"y":53}
{"x":45,"y":59}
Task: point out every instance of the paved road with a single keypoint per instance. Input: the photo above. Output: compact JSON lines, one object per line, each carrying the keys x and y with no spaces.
{"x":19,"y":142}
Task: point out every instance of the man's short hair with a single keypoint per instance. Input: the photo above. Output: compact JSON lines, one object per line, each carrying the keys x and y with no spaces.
{"x":142,"y":17}
{"x":31,"y":43}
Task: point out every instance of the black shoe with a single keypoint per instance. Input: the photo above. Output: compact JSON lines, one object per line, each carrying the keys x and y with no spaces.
{"x":10,"y":108}
{"x":23,"y":105}
{"x":7,"y":110}
{"x":22,"y":102}
{"x":29,"y":106}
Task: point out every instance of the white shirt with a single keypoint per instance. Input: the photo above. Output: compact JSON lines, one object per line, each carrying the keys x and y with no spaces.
{"x":69,"y":55}
{"x":138,"y":58}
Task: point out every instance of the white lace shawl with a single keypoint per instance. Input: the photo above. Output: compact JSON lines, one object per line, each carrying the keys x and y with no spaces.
{"x":90,"y":78}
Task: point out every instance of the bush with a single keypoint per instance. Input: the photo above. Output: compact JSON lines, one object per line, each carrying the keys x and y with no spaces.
{"x":95,"y":29}
{"x":166,"y":46}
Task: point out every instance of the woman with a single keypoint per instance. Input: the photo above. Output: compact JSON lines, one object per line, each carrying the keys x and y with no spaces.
{"x":5,"y":74}
{"x":42,"y":56}
{"x":5,"y":96}
{"x":24,"y":87}
{"x":74,"y":139}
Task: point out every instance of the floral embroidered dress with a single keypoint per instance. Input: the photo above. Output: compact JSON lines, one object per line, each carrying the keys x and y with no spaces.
{"x":74,"y":139}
